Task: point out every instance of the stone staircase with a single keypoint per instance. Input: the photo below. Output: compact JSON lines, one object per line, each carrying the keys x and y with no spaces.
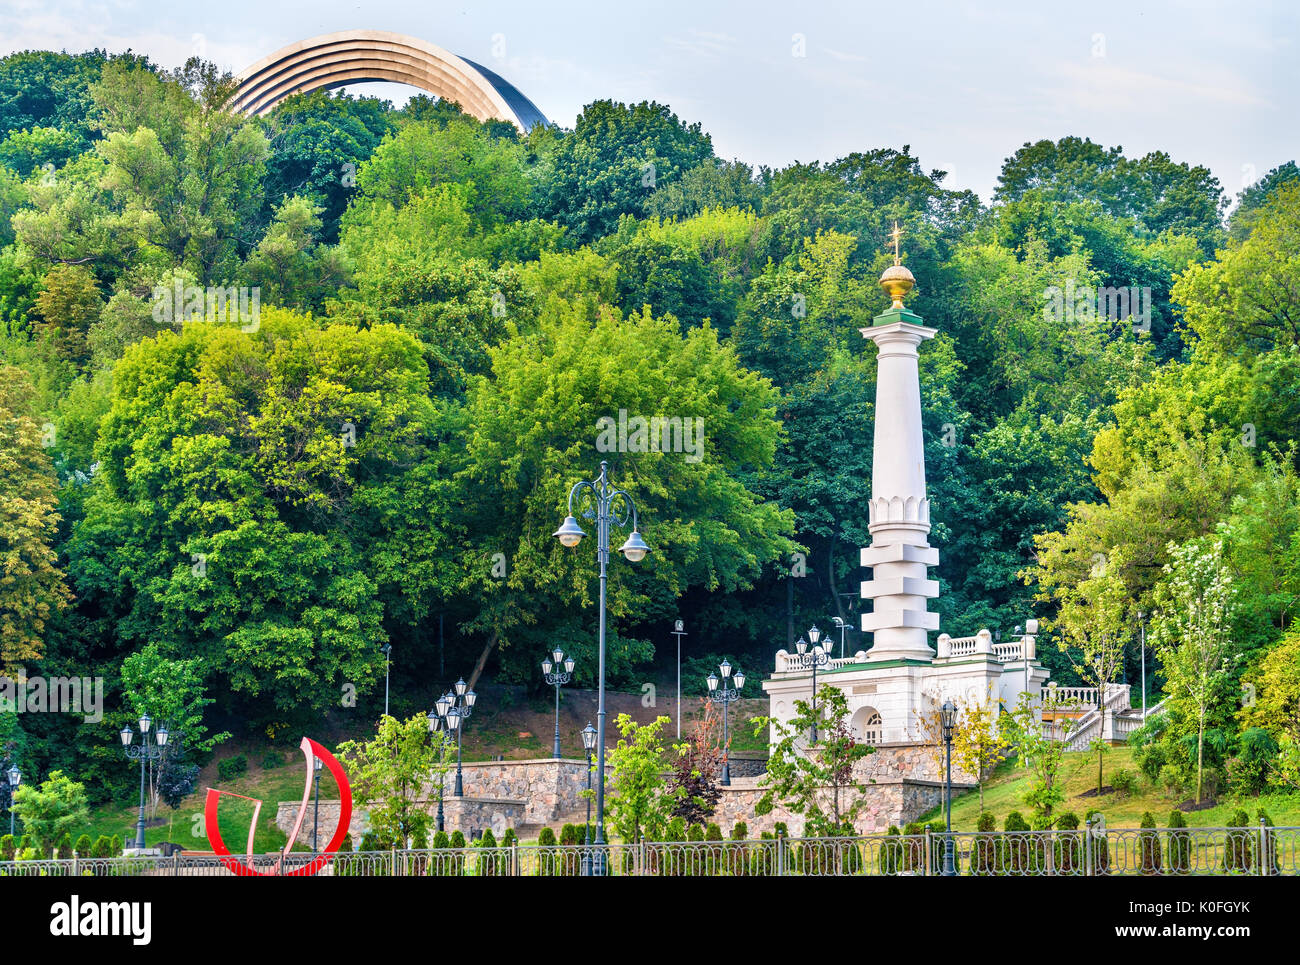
{"x":1114,"y":725}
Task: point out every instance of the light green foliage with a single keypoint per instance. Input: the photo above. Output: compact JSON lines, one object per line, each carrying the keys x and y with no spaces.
{"x":822,"y":786}
{"x":639,"y":805}
{"x":390,"y":774}
{"x":51,"y":809}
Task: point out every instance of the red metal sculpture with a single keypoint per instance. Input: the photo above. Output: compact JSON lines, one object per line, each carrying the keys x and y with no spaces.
{"x":311,"y":750}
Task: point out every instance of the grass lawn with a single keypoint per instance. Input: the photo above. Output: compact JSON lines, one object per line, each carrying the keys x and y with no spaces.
{"x":184,"y":826}
{"x":1004,"y":792}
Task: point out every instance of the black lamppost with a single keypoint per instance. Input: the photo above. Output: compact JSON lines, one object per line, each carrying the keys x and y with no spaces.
{"x":317,"y":764}
{"x":387,"y":651}
{"x":588,"y":744}
{"x":557,"y":678}
{"x":817,"y":657}
{"x":948,"y":718}
{"x":440,"y":726}
{"x":15,"y":779}
{"x":454,"y":709}
{"x":610,"y":506}
{"x":726,"y":696}
{"x":145,"y":752}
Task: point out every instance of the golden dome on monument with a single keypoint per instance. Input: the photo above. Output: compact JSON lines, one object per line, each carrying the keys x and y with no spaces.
{"x":897,"y":281}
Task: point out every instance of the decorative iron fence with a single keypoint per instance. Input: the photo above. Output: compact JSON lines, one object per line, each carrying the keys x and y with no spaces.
{"x":1094,"y":851}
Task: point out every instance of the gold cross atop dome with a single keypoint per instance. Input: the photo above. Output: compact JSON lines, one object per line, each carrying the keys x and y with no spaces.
{"x":897,"y":281}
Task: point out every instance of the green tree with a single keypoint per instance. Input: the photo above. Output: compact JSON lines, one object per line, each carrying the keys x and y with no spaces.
{"x":33,"y":590}
{"x":640,"y":803}
{"x":391,"y":773}
{"x":1192,"y":634}
{"x":708,"y":529}
{"x":613,"y":161}
{"x":51,"y":809}
{"x":822,"y":787}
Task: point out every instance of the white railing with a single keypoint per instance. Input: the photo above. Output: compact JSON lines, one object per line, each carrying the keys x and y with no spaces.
{"x":1009,"y":652}
{"x":802,"y":662}
{"x":962,"y":646}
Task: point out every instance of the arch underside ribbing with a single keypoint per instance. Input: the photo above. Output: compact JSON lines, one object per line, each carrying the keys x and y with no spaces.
{"x":337,"y":60}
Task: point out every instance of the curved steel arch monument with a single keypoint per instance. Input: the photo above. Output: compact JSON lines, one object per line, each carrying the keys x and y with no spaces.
{"x":356,"y":56}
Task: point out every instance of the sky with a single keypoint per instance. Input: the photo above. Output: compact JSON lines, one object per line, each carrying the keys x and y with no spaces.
{"x":965,"y":84}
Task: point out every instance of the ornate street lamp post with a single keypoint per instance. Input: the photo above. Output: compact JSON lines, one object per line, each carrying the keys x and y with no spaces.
{"x":557,"y":678}
{"x":145,"y":752}
{"x":726,"y":696}
{"x":606,"y":505}
{"x":948,"y":718}
{"x":588,"y":744}
{"x":459,"y":706}
{"x":817,"y":657}
{"x":440,"y":726}
{"x":15,"y":779}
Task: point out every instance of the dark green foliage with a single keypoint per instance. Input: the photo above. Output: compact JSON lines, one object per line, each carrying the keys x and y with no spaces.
{"x":1238,"y":847}
{"x":1124,"y":781}
{"x":230,"y":768}
{"x":1149,"y":845}
{"x":1180,"y":844}
{"x":570,"y":857}
{"x":115,"y":846}
{"x":984,"y":850}
{"x":614,"y":159}
{"x":456,"y":866}
{"x":491,"y":863}
{"x":102,"y":848}
{"x":891,"y":853}
{"x":1067,"y":854}
{"x":7,"y":847}
{"x":547,"y":861}
{"x":64,"y":851}
{"x":1256,"y":753}
{"x":272,"y":760}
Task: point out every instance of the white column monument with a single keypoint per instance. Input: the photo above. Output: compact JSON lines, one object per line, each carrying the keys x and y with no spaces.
{"x":899,"y":511}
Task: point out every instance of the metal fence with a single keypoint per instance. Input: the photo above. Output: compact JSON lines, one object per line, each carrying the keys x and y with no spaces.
{"x":1093,"y":851}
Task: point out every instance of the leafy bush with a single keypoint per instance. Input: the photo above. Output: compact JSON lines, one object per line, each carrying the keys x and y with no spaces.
{"x":271,"y":760}
{"x":491,"y":863}
{"x":546,"y":860}
{"x":1256,"y":751}
{"x":1149,"y":844}
{"x":570,"y":859}
{"x":1124,"y":781}
{"x":984,"y":854}
{"x":82,"y":846}
{"x":738,"y":854}
{"x":102,"y":848}
{"x":1237,"y":850}
{"x":457,"y":863}
{"x":230,"y":768}
{"x":7,"y":848}
{"x":1150,"y":759}
{"x":891,"y":853}
{"x":116,"y":845}
{"x":65,"y":847}
{"x":1180,"y":844}
{"x":1067,"y":854}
